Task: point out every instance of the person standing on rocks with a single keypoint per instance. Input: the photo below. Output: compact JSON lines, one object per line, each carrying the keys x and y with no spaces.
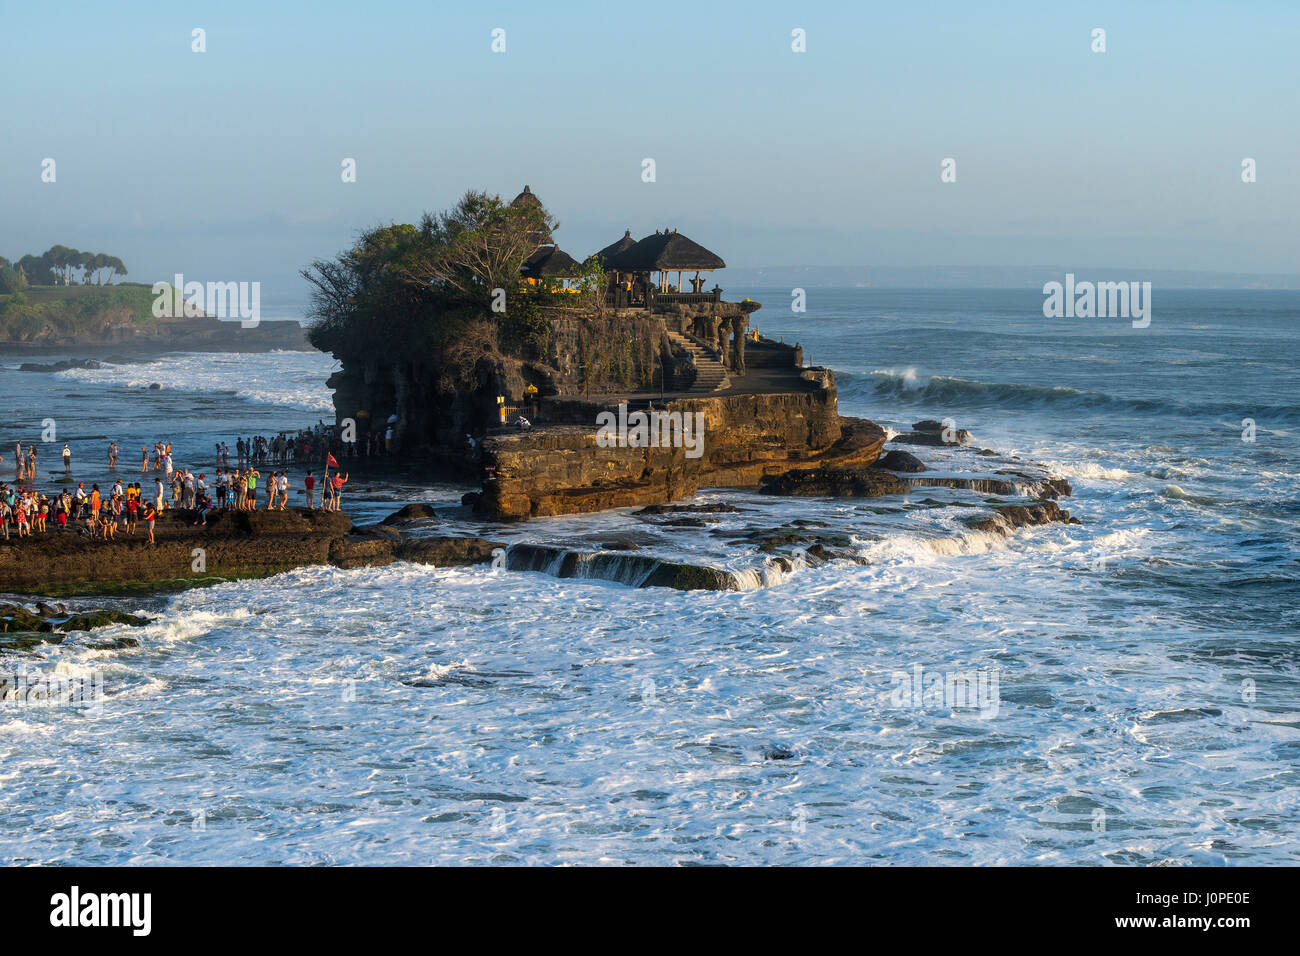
{"x":67,"y":459}
{"x":338,"y":482}
{"x":309,"y":486}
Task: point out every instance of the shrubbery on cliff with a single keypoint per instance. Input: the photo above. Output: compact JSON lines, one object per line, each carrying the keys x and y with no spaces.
{"x":83,"y":311}
{"x":447,"y":291}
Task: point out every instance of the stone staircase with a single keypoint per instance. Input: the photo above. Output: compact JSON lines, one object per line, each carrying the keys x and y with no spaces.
{"x":710,"y":375}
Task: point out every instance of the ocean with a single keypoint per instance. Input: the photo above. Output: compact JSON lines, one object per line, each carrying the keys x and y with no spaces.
{"x":1145,"y":662}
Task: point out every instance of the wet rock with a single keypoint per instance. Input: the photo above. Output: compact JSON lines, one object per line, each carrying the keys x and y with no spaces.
{"x":1008,"y":517}
{"x":59,"y":366}
{"x":27,"y":640}
{"x":619,"y":546}
{"x":820,"y":554}
{"x":232,"y":545}
{"x":985,"y":486}
{"x":15,"y":619}
{"x":835,"y":483}
{"x":51,"y":610}
{"x":776,"y":753}
{"x":687,"y":509}
{"x":898,"y":460}
{"x":447,"y":552}
{"x":408,"y":513}
{"x":931,"y":432}
{"x":94,"y":619}
{"x":960,"y":436}
{"x":770,"y":541}
{"x":688,"y":577}
{"x":362,"y":551}
{"x":120,"y":643}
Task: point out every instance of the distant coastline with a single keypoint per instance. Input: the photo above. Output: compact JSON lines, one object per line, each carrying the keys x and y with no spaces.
{"x":995,"y":277}
{"x":100,"y":320}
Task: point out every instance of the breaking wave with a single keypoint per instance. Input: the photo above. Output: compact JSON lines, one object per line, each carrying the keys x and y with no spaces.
{"x":906,"y":385}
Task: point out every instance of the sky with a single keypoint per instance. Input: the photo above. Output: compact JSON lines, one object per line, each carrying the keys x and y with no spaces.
{"x":226,"y":165}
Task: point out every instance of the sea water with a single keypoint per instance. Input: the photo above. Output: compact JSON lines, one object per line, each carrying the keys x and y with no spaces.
{"x":1145,"y":661}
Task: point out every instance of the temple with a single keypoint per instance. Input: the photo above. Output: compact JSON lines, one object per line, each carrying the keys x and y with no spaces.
{"x":638,"y":333}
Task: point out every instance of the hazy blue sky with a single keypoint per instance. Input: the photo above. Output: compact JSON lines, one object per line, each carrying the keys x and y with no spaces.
{"x":226,"y":165}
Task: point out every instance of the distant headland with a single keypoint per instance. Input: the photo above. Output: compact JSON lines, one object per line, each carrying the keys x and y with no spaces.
{"x":64,"y":300}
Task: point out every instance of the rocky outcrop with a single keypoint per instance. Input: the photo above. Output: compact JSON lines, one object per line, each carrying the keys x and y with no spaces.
{"x":563,"y":469}
{"x":409,"y":513}
{"x":897,"y":460}
{"x":23,"y":630}
{"x":1007,"y":518}
{"x":232,"y":545}
{"x":835,"y":483}
{"x":934,"y":433}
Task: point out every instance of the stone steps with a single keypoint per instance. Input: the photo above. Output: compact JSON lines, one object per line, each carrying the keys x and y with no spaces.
{"x":710,"y":375}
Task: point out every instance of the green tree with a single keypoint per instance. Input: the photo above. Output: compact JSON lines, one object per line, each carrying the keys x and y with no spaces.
{"x":477,"y":246}
{"x":85,"y":261}
{"x":37,"y":270}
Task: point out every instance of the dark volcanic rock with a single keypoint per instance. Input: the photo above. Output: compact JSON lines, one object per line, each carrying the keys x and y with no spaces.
{"x":59,"y":366}
{"x":361,"y":551}
{"x":619,"y":546}
{"x":15,"y":619}
{"x":1006,"y":518}
{"x":231,"y":545}
{"x":935,"y":439}
{"x":114,"y":645}
{"x":898,"y":460}
{"x":835,"y":483}
{"x":689,"y":577}
{"x":87,"y":622}
{"x":416,"y":512}
{"x":686,"y":509}
{"x":447,"y":552}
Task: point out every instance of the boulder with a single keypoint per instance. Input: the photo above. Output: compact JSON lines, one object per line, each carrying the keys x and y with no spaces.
{"x":408,"y":513}
{"x":898,"y":460}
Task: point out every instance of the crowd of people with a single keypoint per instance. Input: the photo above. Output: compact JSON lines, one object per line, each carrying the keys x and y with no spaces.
{"x":25,"y":511}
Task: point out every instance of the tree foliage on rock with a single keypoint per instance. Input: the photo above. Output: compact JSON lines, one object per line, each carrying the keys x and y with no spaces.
{"x":429,"y":290}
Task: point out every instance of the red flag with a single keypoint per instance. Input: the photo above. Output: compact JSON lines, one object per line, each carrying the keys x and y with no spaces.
{"x":330,"y":461}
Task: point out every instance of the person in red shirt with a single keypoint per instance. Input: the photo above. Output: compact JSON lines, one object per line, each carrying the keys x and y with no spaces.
{"x":310,"y":484}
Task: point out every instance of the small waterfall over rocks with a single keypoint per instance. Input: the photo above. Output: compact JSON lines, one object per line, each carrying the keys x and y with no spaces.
{"x":632,"y":570}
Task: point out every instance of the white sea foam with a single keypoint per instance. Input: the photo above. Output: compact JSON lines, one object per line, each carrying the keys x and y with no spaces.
{"x":284,"y":379}
{"x":414,"y":714}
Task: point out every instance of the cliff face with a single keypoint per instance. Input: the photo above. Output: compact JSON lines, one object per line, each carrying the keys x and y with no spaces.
{"x":597,"y":355}
{"x":564,"y":469}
